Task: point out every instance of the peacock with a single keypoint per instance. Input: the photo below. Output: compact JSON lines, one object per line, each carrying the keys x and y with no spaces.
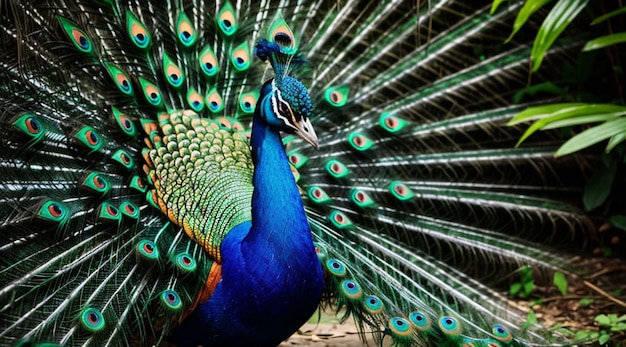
{"x":214,"y":172}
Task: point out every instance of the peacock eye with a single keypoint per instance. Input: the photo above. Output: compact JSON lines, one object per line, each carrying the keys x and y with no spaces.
{"x":282,"y":108}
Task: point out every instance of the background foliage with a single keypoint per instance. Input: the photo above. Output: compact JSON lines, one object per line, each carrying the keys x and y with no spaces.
{"x":591,"y":116}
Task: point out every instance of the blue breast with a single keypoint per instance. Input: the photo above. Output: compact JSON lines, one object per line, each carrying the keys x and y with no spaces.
{"x":260,"y":301}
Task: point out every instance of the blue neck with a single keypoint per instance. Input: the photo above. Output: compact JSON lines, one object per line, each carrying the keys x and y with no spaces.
{"x":277,"y":212}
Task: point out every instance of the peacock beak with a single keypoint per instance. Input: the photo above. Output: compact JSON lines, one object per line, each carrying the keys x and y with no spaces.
{"x":305,"y":130}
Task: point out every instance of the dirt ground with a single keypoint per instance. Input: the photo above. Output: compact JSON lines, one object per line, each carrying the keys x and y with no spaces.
{"x":327,"y":334}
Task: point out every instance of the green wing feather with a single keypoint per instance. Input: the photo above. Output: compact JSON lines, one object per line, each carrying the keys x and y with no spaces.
{"x":202,"y":175}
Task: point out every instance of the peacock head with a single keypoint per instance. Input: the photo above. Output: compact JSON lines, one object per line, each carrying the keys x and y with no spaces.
{"x":286,"y":100}
{"x":292,"y":107}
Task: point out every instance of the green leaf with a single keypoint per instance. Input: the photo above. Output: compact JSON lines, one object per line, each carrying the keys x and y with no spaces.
{"x":583,"y":334}
{"x":530,"y":7}
{"x":515,"y":288}
{"x":592,"y":136}
{"x":539,"y":112}
{"x":560,"y":115}
{"x":531,"y":317}
{"x":604,"y":338}
{"x":560,"y":282}
{"x":578,"y":120}
{"x":495,"y":5}
{"x":585,"y":302}
{"x":528,"y":288}
{"x":614,"y":141}
{"x":599,"y":186}
{"x":605,"y":41}
{"x":603,"y":320}
{"x":594,"y":335}
{"x":539,"y":301}
{"x":620,"y":326}
{"x":561,"y":15}
{"x":526,"y":273}
{"x":618,"y":221}
{"x":609,"y":15}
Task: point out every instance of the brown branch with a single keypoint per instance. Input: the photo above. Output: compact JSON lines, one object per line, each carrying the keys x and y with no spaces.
{"x":605,"y":294}
{"x":605,"y":271}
